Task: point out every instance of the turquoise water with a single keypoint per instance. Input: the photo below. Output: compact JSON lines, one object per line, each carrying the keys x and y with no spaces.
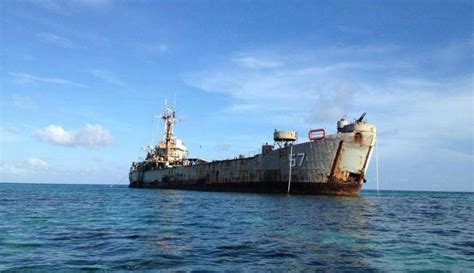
{"x":97,"y":227}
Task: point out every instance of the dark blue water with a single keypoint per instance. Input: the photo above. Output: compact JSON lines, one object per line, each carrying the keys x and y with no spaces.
{"x":92,"y":227}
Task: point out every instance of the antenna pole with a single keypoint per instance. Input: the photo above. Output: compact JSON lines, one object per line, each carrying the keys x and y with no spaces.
{"x":174,"y":102}
{"x":168,"y":116}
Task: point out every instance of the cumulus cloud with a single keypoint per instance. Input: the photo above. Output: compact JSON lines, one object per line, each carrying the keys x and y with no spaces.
{"x":322,"y":85}
{"x":37,"y":163}
{"x":28,"y":78}
{"x":315,"y":93}
{"x":56,"y":135}
{"x":55,"y":40}
{"x":91,"y":136}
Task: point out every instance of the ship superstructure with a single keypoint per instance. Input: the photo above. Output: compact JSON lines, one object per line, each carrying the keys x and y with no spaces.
{"x":325,"y":164}
{"x":170,"y":152}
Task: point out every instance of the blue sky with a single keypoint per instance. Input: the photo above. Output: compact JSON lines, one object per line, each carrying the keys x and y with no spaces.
{"x":80,"y":81}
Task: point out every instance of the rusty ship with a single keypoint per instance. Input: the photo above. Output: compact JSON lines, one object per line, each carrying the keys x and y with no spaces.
{"x":329,"y":164}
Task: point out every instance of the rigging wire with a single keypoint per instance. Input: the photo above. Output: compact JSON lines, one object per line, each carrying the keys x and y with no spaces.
{"x":377,"y":167}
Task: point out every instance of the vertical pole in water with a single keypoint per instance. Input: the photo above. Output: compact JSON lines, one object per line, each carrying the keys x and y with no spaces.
{"x":290,"y":159}
{"x":377,"y":166}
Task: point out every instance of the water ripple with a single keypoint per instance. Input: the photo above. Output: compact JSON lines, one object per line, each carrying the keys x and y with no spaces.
{"x":85,"y":227}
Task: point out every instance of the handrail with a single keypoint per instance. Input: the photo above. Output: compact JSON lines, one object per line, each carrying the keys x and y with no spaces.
{"x":317,"y":137}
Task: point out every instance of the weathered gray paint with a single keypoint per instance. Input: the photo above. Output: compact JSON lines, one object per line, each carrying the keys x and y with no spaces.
{"x":319,"y":164}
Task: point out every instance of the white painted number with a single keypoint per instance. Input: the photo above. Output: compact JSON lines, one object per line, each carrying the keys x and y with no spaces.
{"x":293,"y":159}
{"x":302,"y":155}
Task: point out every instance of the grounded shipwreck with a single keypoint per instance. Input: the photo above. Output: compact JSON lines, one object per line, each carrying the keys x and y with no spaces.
{"x":327,"y":164}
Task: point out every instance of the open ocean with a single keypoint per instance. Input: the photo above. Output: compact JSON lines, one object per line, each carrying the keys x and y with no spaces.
{"x":102,"y":227}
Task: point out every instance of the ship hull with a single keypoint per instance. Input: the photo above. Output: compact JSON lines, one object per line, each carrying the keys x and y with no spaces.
{"x":310,"y":188}
{"x":334,"y":165}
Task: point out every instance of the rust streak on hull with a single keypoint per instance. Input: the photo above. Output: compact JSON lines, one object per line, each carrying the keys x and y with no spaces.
{"x":327,"y":164}
{"x":311,"y":188}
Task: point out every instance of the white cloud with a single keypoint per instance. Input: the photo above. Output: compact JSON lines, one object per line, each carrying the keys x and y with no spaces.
{"x":55,"y":40}
{"x":318,"y":92}
{"x":29,"y":166}
{"x":91,"y":136}
{"x":37,"y":163}
{"x":255,"y":63}
{"x":108,"y":77}
{"x":37,"y":170}
{"x":321,"y":90}
{"x":9,"y":169}
{"x":28,"y":78}
{"x":56,"y":135}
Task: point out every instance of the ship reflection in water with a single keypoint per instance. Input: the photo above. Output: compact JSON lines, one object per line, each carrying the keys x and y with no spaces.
{"x":258,"y":232}
{"x":229,"y":231}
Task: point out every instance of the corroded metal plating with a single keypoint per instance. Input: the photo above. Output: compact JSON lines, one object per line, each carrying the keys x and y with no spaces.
{"x":335,"y":164}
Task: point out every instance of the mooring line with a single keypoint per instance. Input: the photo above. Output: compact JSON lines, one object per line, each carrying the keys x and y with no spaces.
{"x":289,"y":160}
{"x":377,"y":166}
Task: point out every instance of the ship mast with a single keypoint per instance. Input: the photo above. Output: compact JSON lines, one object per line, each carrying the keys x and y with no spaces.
{"x":169,"y":118}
